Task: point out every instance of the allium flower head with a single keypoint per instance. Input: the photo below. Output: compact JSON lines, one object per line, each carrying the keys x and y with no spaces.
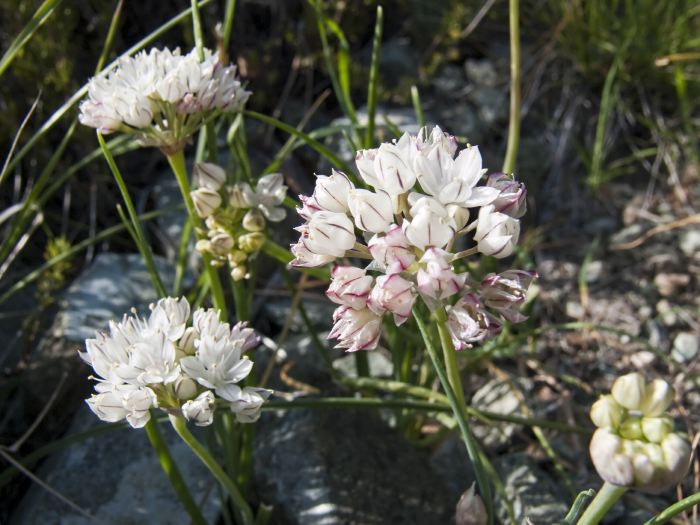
{"x":635,"y":444}
{"x":147,"y":363}
{"x":415,"y":210}
{"x":162,"y":97}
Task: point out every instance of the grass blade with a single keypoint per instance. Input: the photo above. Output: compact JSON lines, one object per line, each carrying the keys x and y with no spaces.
{"x":374,"y":77}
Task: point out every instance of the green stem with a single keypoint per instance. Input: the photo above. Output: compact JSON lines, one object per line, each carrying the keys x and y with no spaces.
{"x":450,"y":355}
{"x":180,"y":426}
{"x":240,"y":299}
{"x":173,"y":473}
{"x":458,"y":408}
{"x":675,"y":509}
{"x":514,"y":121}
{"x":606,"y":498}
{"x":177,"y":164}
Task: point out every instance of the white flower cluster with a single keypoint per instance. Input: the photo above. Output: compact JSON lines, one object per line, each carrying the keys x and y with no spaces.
{"x":235,"y":215}
{"x":162,"y":362}
{"x":162,"y":97}
{"x":635,"y":445}
{"x":418,"y":209}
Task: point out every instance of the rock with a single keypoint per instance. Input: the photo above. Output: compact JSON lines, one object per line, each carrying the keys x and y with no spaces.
{"x":685,"y":347}
{"x":690,"y":242}
{"x":320,"y":313}
{"x":497,"y":396}
{"x":379,"y":364}
{"x":116,"y":477}
{"x":108,"y":289}
{"x":666,"y":313}
{"x":481,"y":72}
{"x":668,"y":284}
{"x":533,"y":493}
{"x":642,"y":359}
{"x":344,"y":467}
{"x":575,"y":310}
{"x":451,"y":462}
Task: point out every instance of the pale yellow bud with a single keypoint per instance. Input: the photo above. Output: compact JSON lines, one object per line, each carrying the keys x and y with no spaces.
{"x":629,"y":390}
{"x":239,"y":273}
{"x":251,"y":242}
{"x":676,"y":451}
{"x":221,"y":244}
{"x":606,"y":412}
{"x":237,"y":257}
{"x":655,"y":429}
{"x":658,"y":396}
{"x":609,"y":460}
{"x":206,"y":201}
{"x":203,"y":246}
{"x":631,"y":428}
{"x":185,"y":388}
{"x":209,"y":175}
{"x":236,"y":197}
{"x":254,"y":221}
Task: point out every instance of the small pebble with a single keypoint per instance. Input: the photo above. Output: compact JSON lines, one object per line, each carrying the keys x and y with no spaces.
{"x":685,"y":347}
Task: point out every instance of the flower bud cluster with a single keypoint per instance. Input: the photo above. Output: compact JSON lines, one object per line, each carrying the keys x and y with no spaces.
{"x":166,"y":362}
{"x":418,"y":207}
{"x":635,"y":444}
{"x":235,"y":215}
{"x":162,"y":97}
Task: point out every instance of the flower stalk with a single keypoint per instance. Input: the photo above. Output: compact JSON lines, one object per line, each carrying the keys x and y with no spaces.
{"x":514,"y":120}
{"x":601,"y":504}
{"x":180,"y":426}
{"x":177,"y":164}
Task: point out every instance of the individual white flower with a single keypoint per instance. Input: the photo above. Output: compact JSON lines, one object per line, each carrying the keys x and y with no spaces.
{"x":364,"y":160}
{"x":162,"y":97}
{"x":436,"y":279}
{"x":137,"y":404}
{"x":373,"y":212}
{"x":209,"y":175}
{"x":506,"y":292}
{"x":330,"y":234}
{"x":393,"y":167}
{"x":151,"y":361}
{"x":217,"y":364}
{"x":496,"y":233}
{"x":170,"y":315}
{"x":356,"y":329}
{"x":269,"y":194}
{"x":395,"y":294}
{"x":431,"y":226}
{"x":305,"y":257}
{"x":331,"y":192}
{"x":201,"y":409}
{"x":392,"y":252}
{"x":349,"y":286}
{"x":468,"y":322}
{"x":249,"y":403}
{"x":114,"y":403}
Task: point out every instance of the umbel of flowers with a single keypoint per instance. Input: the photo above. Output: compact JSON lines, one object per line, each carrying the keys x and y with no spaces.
{"x":235,"y":215}
{"x":635,"y":444}
{"x":162,"y":97}
{"x":172,"y":363}
{"x":423,"y":202}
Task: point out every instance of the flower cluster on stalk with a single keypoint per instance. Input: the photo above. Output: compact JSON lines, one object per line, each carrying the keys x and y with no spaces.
{"x":635,"y":444}
{"x":162,"y":97}
{"x":164,"y":361}
{"x":235,"y":215}
{"x":409,"y":227}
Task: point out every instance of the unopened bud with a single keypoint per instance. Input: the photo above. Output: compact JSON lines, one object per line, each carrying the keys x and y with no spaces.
{"x":203,"y":246}
{"x":655,"y":429}
{"x":206,"y":201}
{"x":185,"y":388}
{"x":200,"y":410}
{"x":187,"y":340}
{"x":221,"y":244}
{"x":658,"y":395}
{"x":631,"y":428}
{"x":629,"y":390}
{"x":254,"y":221}
{"x":470,"y":509}
{"x":251,"y":242}
{"x":237,"y":257}
{"x":236,"y":197}
{"x":606,"y":412}
{"x":209,"y":175}
{"x":239,"y":273}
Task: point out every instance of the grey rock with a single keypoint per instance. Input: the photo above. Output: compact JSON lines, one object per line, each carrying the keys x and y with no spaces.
{"x":685,"y":347}
{"x":116,"y":477}
{"x":533,"y":494}
{"x":451,"y":462}
{"x":593,"y":271}
{"x":690,"y":242}
{"x":627,"y":234}
{"x":344,"y":467}
{"x":497,"y":396}
{"x":320,"y":313}
{"x":108,"y":289}
{"x":379,"y":364}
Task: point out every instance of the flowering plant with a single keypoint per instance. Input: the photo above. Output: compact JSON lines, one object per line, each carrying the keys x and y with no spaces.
{"x":411,"y":226}
{"x":162,"y":362}
{"x":162,"y":97}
